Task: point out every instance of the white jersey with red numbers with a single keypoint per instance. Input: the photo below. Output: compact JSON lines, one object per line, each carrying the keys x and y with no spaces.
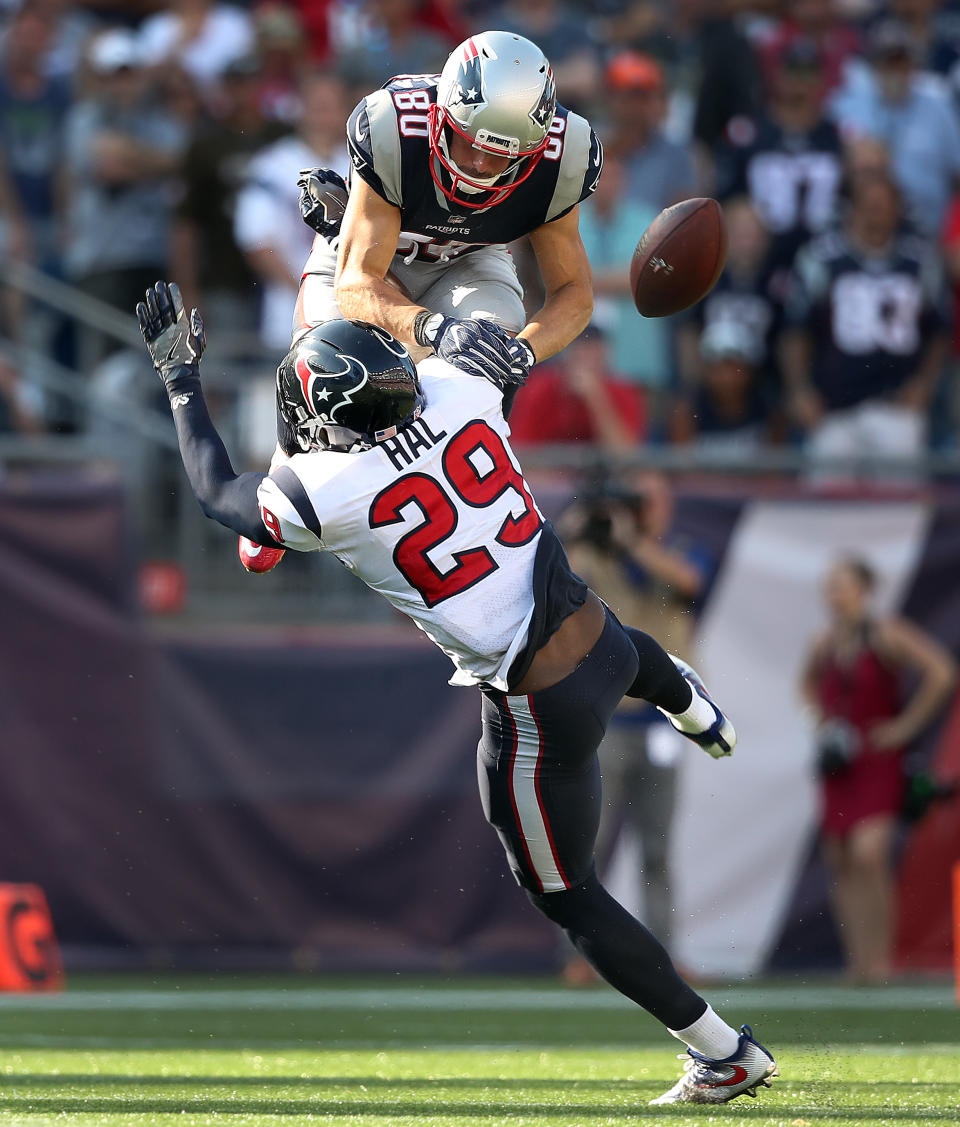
{"x":437,"y":519}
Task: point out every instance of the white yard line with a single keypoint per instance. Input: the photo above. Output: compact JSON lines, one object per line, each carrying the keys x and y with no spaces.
{"x":475,"y":999}
{"x":122,"y":1043}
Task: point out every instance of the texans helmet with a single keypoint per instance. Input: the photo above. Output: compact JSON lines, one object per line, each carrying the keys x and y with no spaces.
{"x":345,"y":385}
{"x":496,"y":91}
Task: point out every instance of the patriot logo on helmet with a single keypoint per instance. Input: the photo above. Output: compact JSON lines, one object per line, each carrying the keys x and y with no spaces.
{"x":469,"y":84}
{"x":542,"y":113}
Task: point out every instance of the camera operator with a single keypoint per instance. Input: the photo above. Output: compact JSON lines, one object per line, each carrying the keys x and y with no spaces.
{"x":617,"y":536}
{"x":852,"y":681}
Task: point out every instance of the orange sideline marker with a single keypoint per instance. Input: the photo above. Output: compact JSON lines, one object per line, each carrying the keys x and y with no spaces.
{"x":29,"y":952}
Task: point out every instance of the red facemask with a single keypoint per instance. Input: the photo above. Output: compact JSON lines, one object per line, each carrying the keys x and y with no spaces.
{"x":438,"y":117}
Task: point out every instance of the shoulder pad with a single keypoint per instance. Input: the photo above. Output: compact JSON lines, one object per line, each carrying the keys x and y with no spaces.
{"x":283,"y":515}
{"x":411,"y":82}
{"x":373,"y":140}
{"x":581,"y":162}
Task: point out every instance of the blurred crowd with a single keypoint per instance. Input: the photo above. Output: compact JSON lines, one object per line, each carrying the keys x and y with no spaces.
{"x":140,"y":140}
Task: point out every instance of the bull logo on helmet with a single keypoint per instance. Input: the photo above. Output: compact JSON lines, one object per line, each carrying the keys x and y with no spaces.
{"x":332,"y":398}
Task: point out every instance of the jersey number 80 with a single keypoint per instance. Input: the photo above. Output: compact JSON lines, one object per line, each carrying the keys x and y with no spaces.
{"x":412,"y":124}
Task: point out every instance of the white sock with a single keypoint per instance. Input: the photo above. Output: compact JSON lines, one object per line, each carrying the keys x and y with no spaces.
{"x":709,"y":1035}
{"x":697,"y":717}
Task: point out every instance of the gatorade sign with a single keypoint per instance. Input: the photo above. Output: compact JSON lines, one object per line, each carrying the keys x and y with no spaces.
{"x":29,"y":953}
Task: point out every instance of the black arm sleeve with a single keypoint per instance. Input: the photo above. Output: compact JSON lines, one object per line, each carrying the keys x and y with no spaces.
{"x":509,"y":394}
{"x":224,"y":496}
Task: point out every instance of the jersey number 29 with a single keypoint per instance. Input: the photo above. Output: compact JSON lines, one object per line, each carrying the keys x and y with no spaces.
{"x":474,"y":486}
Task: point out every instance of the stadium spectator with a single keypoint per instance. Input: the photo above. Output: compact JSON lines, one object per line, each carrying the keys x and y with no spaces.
{"x":282,"y":49}
{"x":619,"y":538}
{"x":611,"y":222}
{"x":866,"y":342}
{"x":722,"y":68}
{"x":21,"y":406}
{"x":745,"y":295}
{"x":576,"y":398}
{"x":210,"y":268}
{"x":397,"y":43}
{"x":852,"y":682}
{"x":33,"y":110}
{"x":935,"y":31}
{"x":336,"y":27}
{"x":818,"y":22}
{"x":267,"y":226}
{"x":201,"y":36}
{"x":69,"y":27}
{"x":657,"y":172}
{"x":951,"y":253}
{"x":566,"y":40}
{"x":712,"y":70}
{"x":122,"y":151}
{"x":725,"y":413}
{"x":788,"y":159}
{"x":912,"y":115}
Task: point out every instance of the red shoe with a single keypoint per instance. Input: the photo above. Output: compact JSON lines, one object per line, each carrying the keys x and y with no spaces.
{"x":258,"y":558}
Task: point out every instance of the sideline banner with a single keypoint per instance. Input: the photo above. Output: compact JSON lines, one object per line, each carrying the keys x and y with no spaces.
{"x":241,"y":798}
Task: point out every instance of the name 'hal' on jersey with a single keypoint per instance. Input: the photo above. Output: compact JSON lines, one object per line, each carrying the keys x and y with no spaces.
{"x":428,"y":518}
{"x":388,"y":139}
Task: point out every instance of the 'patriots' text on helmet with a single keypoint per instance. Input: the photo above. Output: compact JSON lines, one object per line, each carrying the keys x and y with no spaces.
{"x":497,"y":92}
{"x":345,"y":385}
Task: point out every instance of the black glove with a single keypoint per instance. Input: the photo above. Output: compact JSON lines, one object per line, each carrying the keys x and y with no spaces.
{"x":481,"y":348}
{"x":175,"y":343}
{"x":323,"y":198}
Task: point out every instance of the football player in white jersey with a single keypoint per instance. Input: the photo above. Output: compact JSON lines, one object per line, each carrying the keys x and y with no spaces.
{"x":408,"y":478}
{"x":445,"y":171}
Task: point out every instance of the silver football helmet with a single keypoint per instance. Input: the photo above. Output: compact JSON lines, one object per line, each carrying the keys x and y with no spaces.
{"x":496,"y":91}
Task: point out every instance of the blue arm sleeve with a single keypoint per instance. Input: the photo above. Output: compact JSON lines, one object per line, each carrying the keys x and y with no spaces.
{"x":224,"y":496}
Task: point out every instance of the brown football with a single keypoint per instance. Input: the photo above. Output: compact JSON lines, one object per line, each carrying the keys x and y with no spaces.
{"x":679,"y":258}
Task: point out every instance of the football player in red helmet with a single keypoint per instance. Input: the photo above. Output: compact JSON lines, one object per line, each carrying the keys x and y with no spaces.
{"x":446,"y":170}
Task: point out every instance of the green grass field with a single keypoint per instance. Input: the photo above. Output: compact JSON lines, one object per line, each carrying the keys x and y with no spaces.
{"x":287,"y":1051}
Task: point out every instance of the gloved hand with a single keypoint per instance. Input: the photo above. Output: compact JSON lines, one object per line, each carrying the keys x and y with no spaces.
{"x":174,"y":341}
{"x":323,"y":198}
{"x":481,"y":348}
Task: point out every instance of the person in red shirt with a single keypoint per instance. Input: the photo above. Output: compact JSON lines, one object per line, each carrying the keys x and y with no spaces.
{"x":951,"y":254}
{"x":852,"y":679}
{"x":577,"y":398}
{"x":816,"y":21}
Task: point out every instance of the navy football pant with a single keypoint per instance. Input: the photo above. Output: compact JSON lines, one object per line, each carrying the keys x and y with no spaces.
{"x":540,"y":787}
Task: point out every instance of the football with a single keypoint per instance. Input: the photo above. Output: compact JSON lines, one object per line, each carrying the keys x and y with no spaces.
{"x":679,"y":258}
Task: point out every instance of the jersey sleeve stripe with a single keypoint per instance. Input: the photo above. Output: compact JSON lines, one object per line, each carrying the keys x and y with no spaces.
{"x":292,"y":488}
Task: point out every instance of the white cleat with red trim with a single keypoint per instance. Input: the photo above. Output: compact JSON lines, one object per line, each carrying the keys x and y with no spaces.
{"x":258,"y":558}
{"x":706,"y":1081}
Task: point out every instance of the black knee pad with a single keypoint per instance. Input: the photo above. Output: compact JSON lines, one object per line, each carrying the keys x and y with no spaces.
{"x":566,"y":908}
